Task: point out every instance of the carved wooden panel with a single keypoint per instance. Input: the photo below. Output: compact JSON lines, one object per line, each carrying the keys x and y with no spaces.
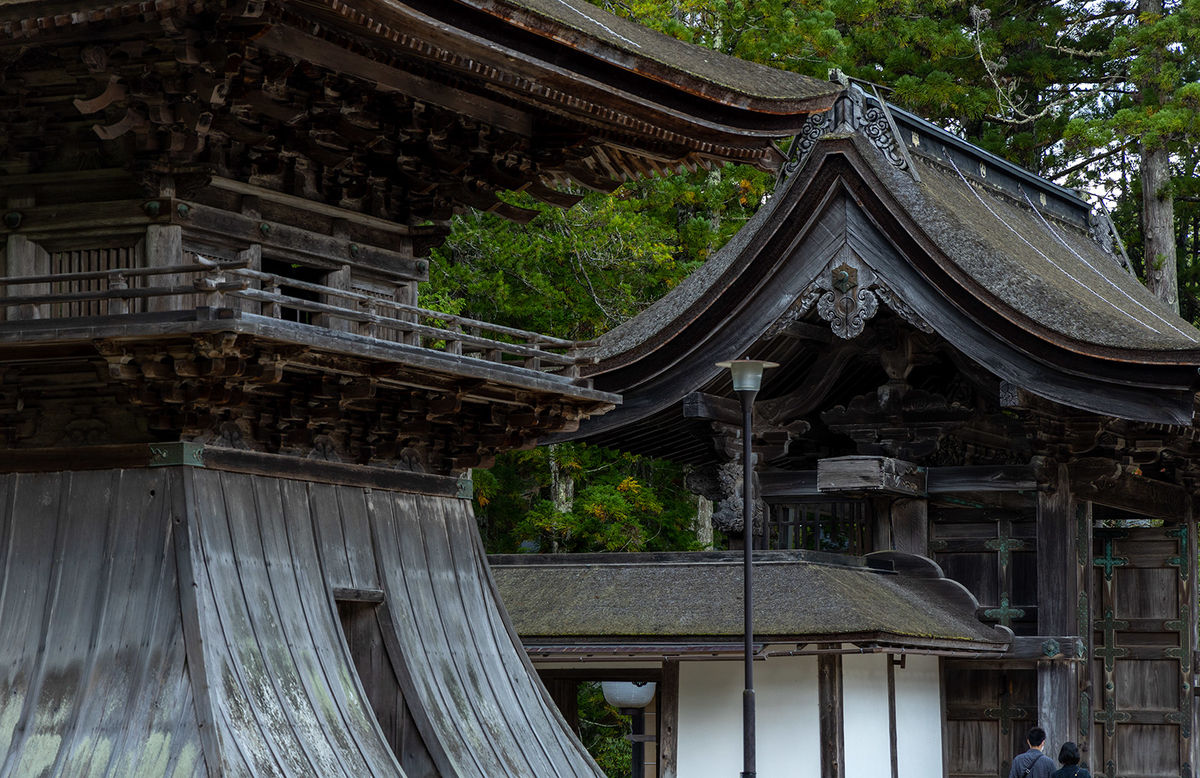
{"x":991,"y":552}
{"x":1143,"y":627}
{"x":988,"y":712}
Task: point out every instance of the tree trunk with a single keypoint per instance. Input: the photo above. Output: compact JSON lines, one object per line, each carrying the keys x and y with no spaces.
{"x":562,"y":489}
{"x":1158,"y":204}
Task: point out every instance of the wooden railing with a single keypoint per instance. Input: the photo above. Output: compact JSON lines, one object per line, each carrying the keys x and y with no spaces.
{"x":235,"y":285}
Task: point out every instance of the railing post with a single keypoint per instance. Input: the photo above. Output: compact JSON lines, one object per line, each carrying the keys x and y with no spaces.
{"x":117,"y":283}
{"x":533,"y":363}
{"x":453,"y":346}
{"x":272,"y":309}
{"x":370,"y":328}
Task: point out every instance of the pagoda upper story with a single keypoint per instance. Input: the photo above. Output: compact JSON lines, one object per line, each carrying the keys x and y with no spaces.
{"x":217,"y":213}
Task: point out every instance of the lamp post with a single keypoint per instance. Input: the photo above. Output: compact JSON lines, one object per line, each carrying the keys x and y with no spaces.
{"x":747,"y":379}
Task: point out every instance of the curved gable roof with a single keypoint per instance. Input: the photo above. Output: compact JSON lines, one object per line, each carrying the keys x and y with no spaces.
{"x":1014,"y":281}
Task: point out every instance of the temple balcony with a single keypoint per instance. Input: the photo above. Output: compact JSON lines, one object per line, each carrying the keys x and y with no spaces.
{"x":247,"y":318}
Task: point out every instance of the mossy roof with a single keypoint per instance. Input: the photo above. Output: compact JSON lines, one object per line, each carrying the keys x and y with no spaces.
{"x":649,"y":52}
{"x":635,"y":596}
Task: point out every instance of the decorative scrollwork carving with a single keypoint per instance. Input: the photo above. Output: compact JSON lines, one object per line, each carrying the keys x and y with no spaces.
{"x":872,"y":122}
{"x":815,"y":127}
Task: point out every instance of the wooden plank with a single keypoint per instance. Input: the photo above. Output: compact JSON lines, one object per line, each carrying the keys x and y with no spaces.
{"x":189,"y":561}
{"x":417,"y":643}
{"x":831,"y":720}
{"x":347,"y":698}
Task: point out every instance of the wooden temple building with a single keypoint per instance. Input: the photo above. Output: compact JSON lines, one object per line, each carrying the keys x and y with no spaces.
{"x":234,"y":538}
{"x":969,"y":374}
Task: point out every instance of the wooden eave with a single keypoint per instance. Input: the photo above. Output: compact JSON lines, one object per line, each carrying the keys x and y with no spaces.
{"x":737,"y":306}
{"x":555,"y":70}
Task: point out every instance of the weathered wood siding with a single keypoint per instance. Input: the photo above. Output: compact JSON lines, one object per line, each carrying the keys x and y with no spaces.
{"x":92,"y":658}
{"x":183,"y":621}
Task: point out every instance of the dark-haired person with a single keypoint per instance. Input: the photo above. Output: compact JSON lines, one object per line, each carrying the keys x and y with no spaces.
{"x":1033,"y":763}
{"x":1068,"y":757}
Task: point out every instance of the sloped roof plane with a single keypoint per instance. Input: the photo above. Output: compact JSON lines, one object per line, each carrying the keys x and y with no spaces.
{"x":1016,"y":272}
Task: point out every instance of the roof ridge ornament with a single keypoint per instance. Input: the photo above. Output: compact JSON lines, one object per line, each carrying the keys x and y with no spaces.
{"x":852,"y":113}
{"x":847,"y":294}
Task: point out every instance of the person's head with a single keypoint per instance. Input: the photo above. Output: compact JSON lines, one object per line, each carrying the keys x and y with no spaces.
{"x":1068,"y":754}
{"x":1035,"y":737}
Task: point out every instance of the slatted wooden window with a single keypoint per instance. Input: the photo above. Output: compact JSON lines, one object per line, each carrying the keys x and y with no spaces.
{"x":62,"y":262}
{"x":840,"y":527}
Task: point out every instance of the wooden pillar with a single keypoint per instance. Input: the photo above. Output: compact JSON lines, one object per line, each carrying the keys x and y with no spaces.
{"x":164,"y":248}
{"x":910,"y":525}
{"x":339,"y":280}
{"x":23,"y":257}
{"x":1061,"y":580}
{"x":668,"y":720}
{"x":829,"y":698}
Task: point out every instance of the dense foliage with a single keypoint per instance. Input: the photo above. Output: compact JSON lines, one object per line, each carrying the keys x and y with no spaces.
{"x":619,"y":502}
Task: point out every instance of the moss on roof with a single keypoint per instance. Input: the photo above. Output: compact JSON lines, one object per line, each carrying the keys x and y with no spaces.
{"x":634,"y":46}
{"x":704,"y":599}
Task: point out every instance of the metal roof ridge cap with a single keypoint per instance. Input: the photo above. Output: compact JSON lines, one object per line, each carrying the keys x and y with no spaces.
{"x":966,"y":146}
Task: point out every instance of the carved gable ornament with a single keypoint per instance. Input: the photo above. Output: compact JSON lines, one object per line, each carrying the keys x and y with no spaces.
{"x":847,"y":294}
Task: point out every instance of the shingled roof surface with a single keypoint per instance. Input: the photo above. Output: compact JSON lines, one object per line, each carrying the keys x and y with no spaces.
{"x":637,"y":596}
{"x":1045,"y":269}
{"x":643,"y":49}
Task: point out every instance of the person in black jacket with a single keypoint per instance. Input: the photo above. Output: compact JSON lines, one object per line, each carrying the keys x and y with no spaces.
{"x":1033,"y":763}
{"x":1068,"y":756}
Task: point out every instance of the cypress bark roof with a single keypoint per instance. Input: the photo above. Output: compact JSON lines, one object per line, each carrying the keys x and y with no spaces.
{"x":647,"y":599}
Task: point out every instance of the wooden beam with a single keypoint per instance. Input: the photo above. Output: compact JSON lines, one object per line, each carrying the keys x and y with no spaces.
{"x":870,"y":474}
{"x":981,"y":478}
{"x":286,"y":41}
{"x":1106,"y":481}
{"x":329,"y":472}
{"x":699,"y":405}
{"x":237,"y":231}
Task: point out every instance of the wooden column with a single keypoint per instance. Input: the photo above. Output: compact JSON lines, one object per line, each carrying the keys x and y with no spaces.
{"x":668,"y":720}
{"x":910,"y":525}
{"x":1060,"y":582}
{"x":164,"y":248}
{"x":829,"y":698}
{"x":23,"y":257}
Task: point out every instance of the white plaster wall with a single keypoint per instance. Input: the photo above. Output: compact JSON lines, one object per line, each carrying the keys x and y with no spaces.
{"x":865,"y":716}
{"x":919,"y":717}
{"x":710,"y":718}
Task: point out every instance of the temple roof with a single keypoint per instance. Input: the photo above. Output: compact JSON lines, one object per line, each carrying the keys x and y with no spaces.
{"x":598,"y":600}
{"x":1017,"y":273}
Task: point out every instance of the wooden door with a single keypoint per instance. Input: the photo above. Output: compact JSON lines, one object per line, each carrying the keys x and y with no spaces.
{"x":988,"y":712}
{"x":1143,"y":616}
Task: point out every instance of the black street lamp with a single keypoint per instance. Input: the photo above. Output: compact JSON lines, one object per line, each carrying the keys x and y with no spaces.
{"x":747,"y":379}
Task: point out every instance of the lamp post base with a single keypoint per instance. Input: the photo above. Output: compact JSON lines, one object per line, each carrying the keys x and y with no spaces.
{"x":749,"y":775}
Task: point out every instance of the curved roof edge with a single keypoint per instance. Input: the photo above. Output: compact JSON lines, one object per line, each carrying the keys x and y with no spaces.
{"x":638,"y":49}
{"x":941,"y":250}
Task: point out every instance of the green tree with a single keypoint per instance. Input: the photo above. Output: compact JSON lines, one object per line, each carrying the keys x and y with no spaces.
{"x":620,"y":502}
